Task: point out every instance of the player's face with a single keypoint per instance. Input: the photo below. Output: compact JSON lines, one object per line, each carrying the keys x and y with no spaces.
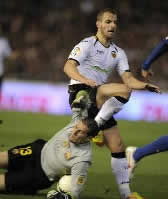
{"x":79,"y":133}
{"x":107,"y":25}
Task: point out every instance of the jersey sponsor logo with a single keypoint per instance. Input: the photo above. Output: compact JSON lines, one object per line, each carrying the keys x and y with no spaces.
{"x":114,"y":54}
{"x":100,"y":52}
{"x":75,"y":51}
{"x":97,"y":68}
{"x":80,"y":180}
{"x":124,"y":182}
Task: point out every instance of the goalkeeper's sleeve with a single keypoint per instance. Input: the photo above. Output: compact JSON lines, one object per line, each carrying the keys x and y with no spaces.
{"x":79,"y":173}
{"x":159,"y":50}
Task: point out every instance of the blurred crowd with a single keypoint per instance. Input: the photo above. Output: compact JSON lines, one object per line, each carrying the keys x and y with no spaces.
{"x":43,"y":32}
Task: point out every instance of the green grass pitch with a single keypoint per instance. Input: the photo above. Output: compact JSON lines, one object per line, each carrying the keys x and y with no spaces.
{"x":151,"y":174}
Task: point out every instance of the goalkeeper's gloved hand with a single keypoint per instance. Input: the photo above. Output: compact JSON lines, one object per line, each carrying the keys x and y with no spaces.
{"x":93,"y":128}
{"x":58,"y":195}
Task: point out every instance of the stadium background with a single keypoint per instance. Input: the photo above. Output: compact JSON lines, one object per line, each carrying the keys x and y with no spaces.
{"x":44,"y":32}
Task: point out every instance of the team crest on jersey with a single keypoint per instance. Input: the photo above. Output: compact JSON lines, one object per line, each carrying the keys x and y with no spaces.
{"x":114,"y":54}
{"x":67,"y":155}
{"x":75,"y":51}
{"x":80,"y":180}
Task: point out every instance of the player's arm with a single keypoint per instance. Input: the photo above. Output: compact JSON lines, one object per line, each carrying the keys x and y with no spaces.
{"x":72,"y":72}
{"x":159,"y":50}
{"x":79,"y":174}
{"x":129,"y":79}
{"x":136,"y":84}
{"x":77,"y":56}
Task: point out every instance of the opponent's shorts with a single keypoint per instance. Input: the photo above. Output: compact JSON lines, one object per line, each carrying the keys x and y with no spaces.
{"x":25,"y":174}
{"x":93,"y":110}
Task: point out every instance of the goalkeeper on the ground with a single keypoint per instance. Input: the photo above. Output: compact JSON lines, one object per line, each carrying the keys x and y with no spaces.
{"x":37,"y":165}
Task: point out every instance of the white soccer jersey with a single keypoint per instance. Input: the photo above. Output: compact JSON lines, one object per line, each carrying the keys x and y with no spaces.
{"x":5,"y":51}
{"x":59,"y":155}
{"x":96,"y":61}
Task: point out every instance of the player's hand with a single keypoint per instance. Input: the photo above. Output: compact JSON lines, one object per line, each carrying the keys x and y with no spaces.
{"x":89,"y":82}
{"x":147,"y":73}
{"x":152,"y":88}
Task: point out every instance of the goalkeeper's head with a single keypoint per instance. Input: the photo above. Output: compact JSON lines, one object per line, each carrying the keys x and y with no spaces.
{"x":83,"y":131}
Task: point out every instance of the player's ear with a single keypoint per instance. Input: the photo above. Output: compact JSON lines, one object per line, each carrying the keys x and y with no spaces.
{"x":98,"y":24}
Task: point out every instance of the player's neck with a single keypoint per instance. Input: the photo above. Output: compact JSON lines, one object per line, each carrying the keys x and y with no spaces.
{"x":103,"y":40}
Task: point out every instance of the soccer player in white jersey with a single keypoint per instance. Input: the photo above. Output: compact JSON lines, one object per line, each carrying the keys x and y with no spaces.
{"x":39,"y":164}
{"x":5,"y":51}
{"x":88,"y":66}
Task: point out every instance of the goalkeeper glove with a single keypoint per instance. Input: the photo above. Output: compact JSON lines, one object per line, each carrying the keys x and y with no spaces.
{"x":58,"y":195}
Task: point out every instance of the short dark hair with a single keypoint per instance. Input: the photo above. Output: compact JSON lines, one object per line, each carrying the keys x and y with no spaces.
{"x":101,"y":13}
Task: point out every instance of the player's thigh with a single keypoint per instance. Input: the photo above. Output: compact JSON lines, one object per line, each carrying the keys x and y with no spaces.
{"x":113,"y":139}
{"x":4,"y":159}
{"x":2,"y":182}
{"x":20,"y":181}
{"x":113,"y":89}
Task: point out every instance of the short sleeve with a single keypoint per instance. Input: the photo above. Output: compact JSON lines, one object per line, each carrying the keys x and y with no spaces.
{"x":5,"y":49}
{"x":122,"y":65}
{"x":80,"y":51}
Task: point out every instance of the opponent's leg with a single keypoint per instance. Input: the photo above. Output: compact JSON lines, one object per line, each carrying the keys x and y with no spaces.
{"x":159,"y":145}
{"x":135,"y":154}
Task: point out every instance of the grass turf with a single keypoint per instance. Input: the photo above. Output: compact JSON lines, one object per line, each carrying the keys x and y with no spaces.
{"x":150,"y":176}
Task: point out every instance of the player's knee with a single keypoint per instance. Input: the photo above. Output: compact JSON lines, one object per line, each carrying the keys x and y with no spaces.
{"x":104,"y":92}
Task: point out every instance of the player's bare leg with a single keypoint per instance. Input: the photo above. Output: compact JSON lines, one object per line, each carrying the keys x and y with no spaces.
{"x":4,"y":160}
{"x":3,"y":165}
{"x":110,"y":99}
{"x":113,"y":140}
{"x":104,"y":92}
{"x":2,"y":182}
